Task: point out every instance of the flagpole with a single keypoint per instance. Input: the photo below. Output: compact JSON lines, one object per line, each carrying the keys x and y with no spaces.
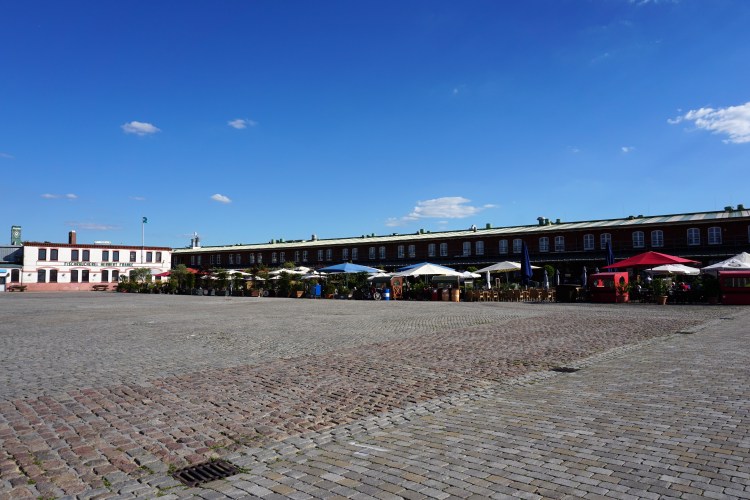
{"x":143,"y":236}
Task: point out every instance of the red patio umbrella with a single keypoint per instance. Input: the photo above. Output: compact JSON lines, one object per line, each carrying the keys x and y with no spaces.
{"x":650,"y":259}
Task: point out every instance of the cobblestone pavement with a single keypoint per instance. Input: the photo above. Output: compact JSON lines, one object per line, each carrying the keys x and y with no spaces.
{"x":102,"y":395}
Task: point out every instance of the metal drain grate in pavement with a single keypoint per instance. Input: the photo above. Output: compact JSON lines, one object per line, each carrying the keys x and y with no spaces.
{"x":204,"y":473}
{"x":564,"y":369}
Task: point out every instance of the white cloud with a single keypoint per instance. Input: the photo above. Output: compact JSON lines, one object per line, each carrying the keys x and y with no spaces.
{"x":140,"y":128}
{"x":138,"y":198}
{"x":654,"y":2}
{"x":50,"y":196}
{"x":733,"y":121}
{"x":241,"y":123}
{"x":450,"y":207}
{"x":6,"y":155}
{"x":221,"y":198}
{"x":627,"y":149}
{"x":93,"y":226}
{"x":573,"y":149}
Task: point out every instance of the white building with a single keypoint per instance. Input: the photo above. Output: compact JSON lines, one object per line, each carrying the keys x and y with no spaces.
{"x":74,"y":266}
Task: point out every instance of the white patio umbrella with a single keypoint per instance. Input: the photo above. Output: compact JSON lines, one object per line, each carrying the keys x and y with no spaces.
{"x":674,"y":269}
{"x":502,"y":267}
{"x":278,"y":272}
{"x":468,"y":275}
{"x":740,"y":262}
{"x":427,"y":269}
{"x":378,"y":275}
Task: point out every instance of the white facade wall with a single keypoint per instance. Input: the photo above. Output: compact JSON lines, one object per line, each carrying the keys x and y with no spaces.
{"x":100,"y":261}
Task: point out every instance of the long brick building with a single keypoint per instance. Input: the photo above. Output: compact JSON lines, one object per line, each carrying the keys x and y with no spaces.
{"x":703,"y":236}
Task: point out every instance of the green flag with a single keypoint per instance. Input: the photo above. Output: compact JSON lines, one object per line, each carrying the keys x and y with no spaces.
{"x":145,"y":220}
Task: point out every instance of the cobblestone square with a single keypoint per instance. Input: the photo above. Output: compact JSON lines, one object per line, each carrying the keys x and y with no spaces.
{"x":103,"y":395}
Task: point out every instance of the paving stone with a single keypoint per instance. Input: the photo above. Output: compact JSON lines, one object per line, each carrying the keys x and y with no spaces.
{"x":439,"y":398}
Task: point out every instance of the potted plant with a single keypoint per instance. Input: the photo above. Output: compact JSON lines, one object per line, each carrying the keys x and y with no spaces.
{"x":659,"y":290}
{"x":622,"y":291}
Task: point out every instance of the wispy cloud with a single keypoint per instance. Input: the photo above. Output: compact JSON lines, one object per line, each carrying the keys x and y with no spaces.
{"x":50,"y":196}
{"x":93,"y":226}
{"x":241,"y":123}
{"x":450,"y":207}
{"x":574,"y":149}
{"x":139,"y":128}
{"x":652,"y":2}
{"x":221,"y":198}
{"x":733,"y":121}
{"x":7,"y":156}
{"x":627,"y":149}
{"x":138,"y":198}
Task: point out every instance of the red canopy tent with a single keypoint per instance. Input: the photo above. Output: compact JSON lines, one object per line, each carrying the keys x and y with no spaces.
{"x":167,"y":273}
{"x":650,"y":259}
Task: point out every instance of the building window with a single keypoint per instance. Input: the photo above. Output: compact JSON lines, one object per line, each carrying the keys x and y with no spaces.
{"x":41,"y":276}
{"x":604,"y":238}
{"x":479,"y":248}
{"x":218,"y":259}
{"x":412,"y":251}
{"x":212,"y":259}
{"x":53,"y":254}
{"x":260,"y":258}
{"x":371,"y":253}
{"x":115,"y":256}
{"x":559,"y":243}
{"x":86,"y":255}
{"x":714,"y":236}
{"x":657,"y":238}
{"x":192,"y":260}
{"x":355,"y":254}
{"x":502,"y":246}
{"x":304,"y":255}
{"x":693,"y":236}
{"x":400,"y":252}
{"x":105,"y":255}
{"x":74,"y":276}
{"x":74,"y":255}
{"x":53,"y":275}
{"x":466,"y":248}
{"x":588,"y":241}
{"x":517,"y":244}
{"x":158,"y":257}
{"x":329,"y":254}
{"x":252,"y":258}
{"x":132,"y":256}
{"x":105,"y":276}
{"x":15,"y":275}
{"x":115,"y":276}
{"x":42,"y":254}
{"x":231,"y":259}
{"x":443,"y":249}
{"x":282,"y":256}
{"x":431,"y":249}
{"x":149,"y":256}
{"x":344,"y":254}
{"x":382,"y":252}
{"x":200,"y":260}
{"x":85,"y":276}
{"x":296,"y":256}
{"x":320,"y":255}
{"x":237,"y":258}
{"x":274,"y":258}
{"x":639,"y":239}
{"x":544,"y":244}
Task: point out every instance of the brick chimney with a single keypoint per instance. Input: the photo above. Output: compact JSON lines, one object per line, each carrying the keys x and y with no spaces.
{"x":72,"y":238}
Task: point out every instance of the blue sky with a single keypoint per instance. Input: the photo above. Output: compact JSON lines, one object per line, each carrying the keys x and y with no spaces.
{"x":246,"y":121}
